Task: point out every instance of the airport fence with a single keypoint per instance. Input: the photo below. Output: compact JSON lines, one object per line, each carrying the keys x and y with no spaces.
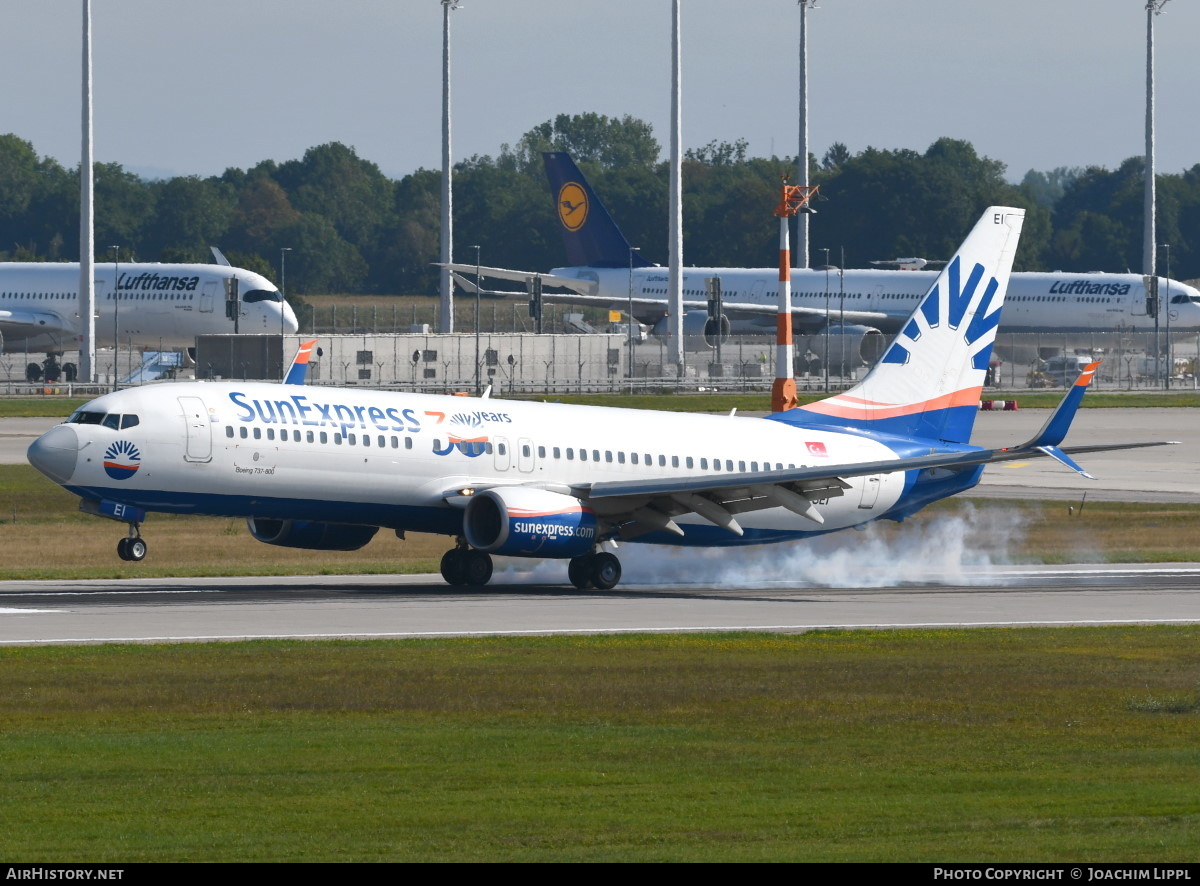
{"x":582,"y":362}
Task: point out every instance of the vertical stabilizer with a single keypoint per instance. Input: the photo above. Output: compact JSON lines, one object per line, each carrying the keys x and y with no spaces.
{"x":928,"y":382}
{"x":591,"y":236}
{"x":298,"y":372}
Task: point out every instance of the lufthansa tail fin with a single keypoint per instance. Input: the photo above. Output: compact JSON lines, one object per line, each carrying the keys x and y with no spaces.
{"x":591,"y":236}
{"x":928,"y":382}
{"x":299,"y":370}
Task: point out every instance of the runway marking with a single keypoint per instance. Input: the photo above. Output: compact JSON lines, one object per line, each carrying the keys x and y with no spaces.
{"x":584,"y":631}
{"x":99,"y":593}
{"x":1017,"y":464}
{"x":27,"y":611}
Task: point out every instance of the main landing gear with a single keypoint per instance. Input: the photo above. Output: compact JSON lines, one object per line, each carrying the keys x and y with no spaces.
{"x":463,"y":566}
{"x":133,"y":546}
{"x":601,"y":570}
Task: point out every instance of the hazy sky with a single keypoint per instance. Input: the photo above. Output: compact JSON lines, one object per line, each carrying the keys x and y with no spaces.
{"x":190,"y":87}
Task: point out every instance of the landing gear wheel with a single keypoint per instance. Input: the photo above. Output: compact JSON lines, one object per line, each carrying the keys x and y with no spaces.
{"x":70,"y":372}
{"x":606,"y":570}
{"x":454,"y":567}
{"x":579,"y":570}
{"x":33,"y":372}
{"x":132,"y":549}
{"x":478,"y":568}
{"x":136,"y":548}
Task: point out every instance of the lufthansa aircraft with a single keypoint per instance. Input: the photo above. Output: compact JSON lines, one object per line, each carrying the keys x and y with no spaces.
{"x":862,"y":306}
{"x":146,"y":305}
{"x":325,"y":469}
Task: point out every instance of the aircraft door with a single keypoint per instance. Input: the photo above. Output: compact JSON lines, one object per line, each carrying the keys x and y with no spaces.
{"x":208,"y":296}
{"x":870,"y":493}
{"x":525,"y":455}
{"x":500,"y":447}
{"x":199,"y":430}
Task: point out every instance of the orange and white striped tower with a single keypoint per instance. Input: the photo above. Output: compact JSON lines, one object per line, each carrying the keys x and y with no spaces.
{"x":783,"y":389}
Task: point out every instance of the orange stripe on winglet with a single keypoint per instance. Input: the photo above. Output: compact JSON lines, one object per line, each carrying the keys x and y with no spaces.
{"x":1089,"y":372}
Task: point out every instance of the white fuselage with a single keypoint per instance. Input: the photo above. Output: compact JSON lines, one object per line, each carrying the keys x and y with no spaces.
{"x":400,"y":460}
{"x":1036,"y":302}
{"x":141,"y":304}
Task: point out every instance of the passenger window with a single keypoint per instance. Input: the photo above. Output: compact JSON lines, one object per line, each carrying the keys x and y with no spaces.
{"x":541,"y":452}
{"x":742,"y":466}
{"x":662,"y":461}
{"x":557,"y":452}
{"x":704,"y":464}
{"x":674,"y":461}
{"x":620,"y":458}
{"x":525,"y":451}
{"x":689,"y":462}
{"x":258,"y":433}
{"x":634,"y":457}
{"x":310,"y":436}
{"x":270,"y":433}
{"x":229,"y":431}
{"x":337,"y":440}
{"x":408,"y":443}
{"x":608,"y":456}
{"x":754,"y":466}
{"x":570,"y":454}
{"x":242,"y":432}
{"x":729,"y":464}
{"x":324,"y":437}
{"x":582,"y":454}
{"x":595,"y":455}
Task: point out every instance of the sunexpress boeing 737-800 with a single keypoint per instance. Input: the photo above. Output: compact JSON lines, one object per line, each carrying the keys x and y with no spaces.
{"x":144,"y":305}
{"x":865,"y":306}
{"x":326,"y":468}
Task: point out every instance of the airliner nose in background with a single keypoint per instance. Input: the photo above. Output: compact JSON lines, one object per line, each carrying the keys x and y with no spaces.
{"x":145,"y":305}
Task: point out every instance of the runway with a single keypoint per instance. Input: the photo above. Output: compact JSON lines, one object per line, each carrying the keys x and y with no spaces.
{"x":326,"y":607}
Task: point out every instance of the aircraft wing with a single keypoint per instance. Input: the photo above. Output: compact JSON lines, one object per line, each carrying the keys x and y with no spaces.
{"x":643,"y":506}
{"x":805,"y":318}
{"x":584,"y":287}
{"x":22,"y":324}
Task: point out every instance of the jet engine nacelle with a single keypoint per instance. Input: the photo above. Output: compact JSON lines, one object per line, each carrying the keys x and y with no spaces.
{"x":699,"y":329}
{"x":850,"y":347}
{"x":310,"y":535}
{"x":521,"y":522}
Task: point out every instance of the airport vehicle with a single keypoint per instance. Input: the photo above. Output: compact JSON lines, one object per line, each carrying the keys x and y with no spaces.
{"x":325,"y":469}
{"x":145,"y":305}
{"x":861,"y":306}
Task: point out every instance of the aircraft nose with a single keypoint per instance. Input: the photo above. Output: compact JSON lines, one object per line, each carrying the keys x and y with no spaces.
{"x":290,"y":324}
{"x":55,"y":453}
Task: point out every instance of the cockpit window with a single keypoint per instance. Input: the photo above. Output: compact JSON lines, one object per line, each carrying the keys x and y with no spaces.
{"x":83,"y":417}
{"x":1183,"y":298}
{"x":261,"y":295}
{"x":114,"y":420}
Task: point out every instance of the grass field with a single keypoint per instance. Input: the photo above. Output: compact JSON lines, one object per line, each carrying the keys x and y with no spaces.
{"x":47,"y":537}
{"x":984,"y":745}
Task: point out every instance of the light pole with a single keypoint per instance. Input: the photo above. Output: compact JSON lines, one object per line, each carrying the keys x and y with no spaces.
{"x":629,"y":318}
{"x":1167,"y":303}
{"x":283,"y":251}
{"x":826,"y":360}
{"x":478,"y":390}
{"x":116,"y":251}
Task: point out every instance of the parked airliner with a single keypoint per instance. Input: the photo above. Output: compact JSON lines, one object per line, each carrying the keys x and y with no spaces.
{"x":860,"y":306}
{"x":145,"y":305}
{"x":325,"y":469}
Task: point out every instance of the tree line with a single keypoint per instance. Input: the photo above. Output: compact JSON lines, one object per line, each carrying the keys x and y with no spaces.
{"x":352,"y":229}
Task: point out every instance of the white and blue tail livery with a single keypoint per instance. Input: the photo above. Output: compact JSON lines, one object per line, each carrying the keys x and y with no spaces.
{"x":929,"y":380}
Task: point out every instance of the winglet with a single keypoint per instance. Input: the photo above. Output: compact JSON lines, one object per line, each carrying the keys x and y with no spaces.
{"x":1055,"y":429}
{"x":299,"y":370}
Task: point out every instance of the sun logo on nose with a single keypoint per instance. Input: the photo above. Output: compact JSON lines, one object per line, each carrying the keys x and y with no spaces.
{"x":122,"y":460}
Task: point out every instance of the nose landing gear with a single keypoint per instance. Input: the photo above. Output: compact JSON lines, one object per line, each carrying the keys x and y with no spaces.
{"x":133,"y":546}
